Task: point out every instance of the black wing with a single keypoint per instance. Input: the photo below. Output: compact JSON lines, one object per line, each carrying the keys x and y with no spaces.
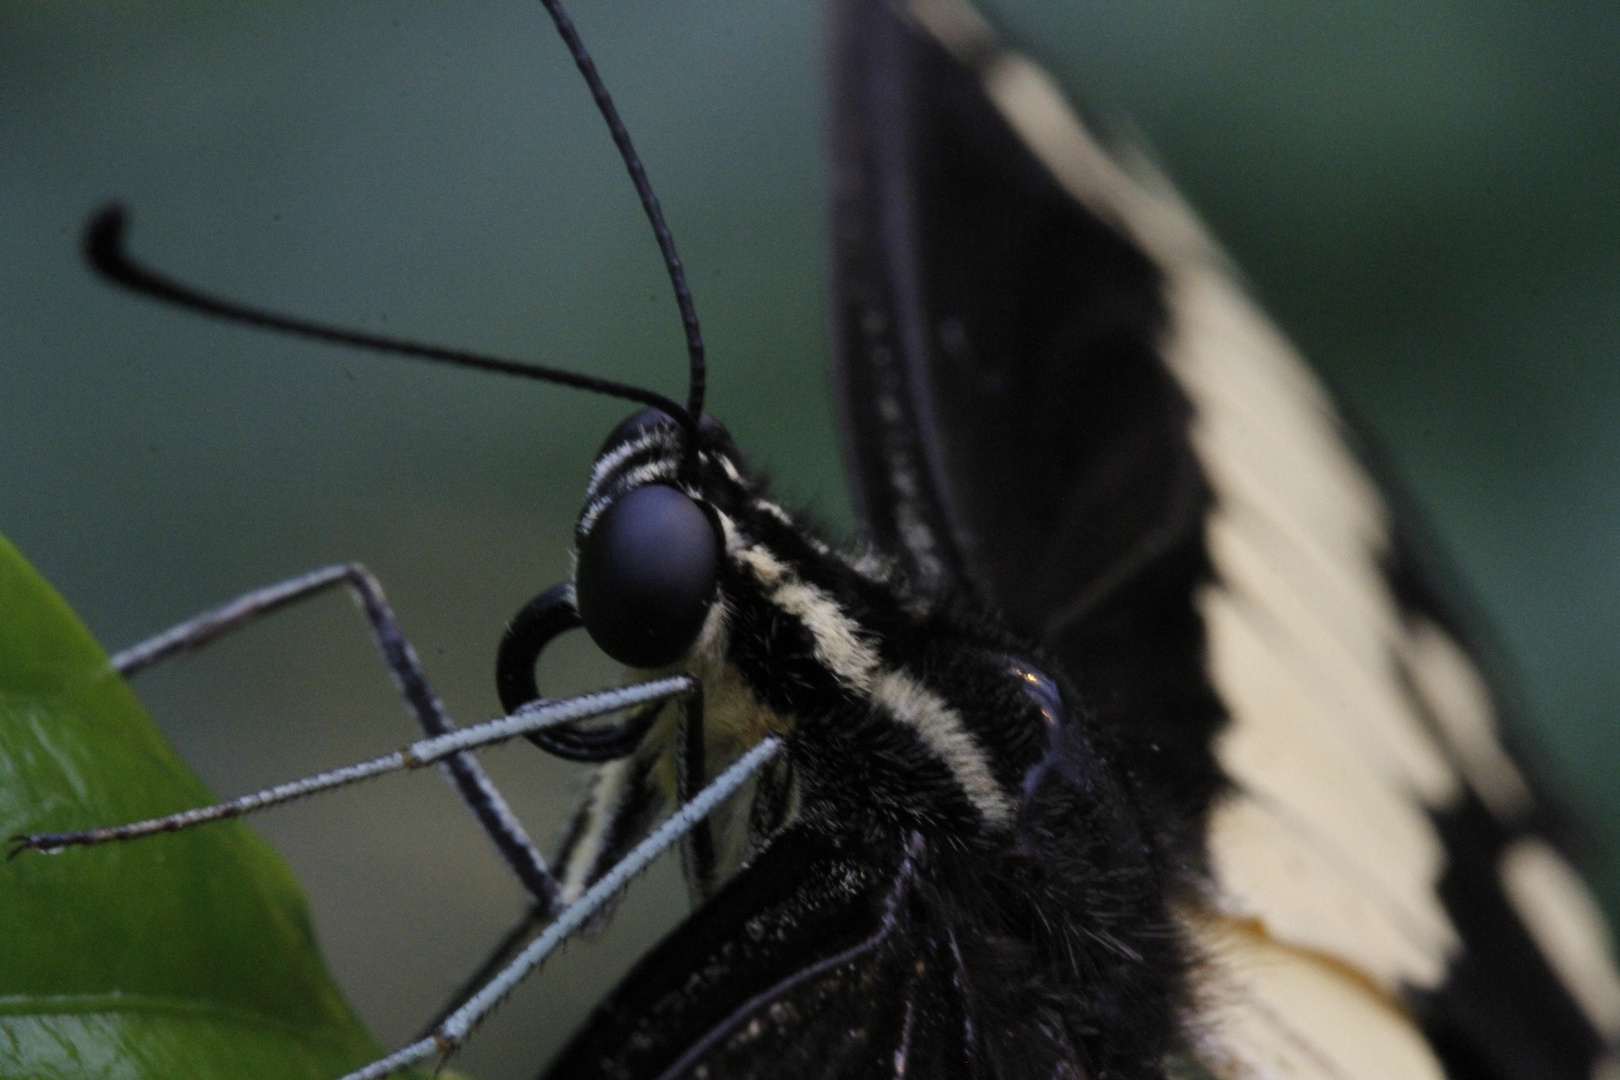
{"x":1009,"y":421}
{"x":1053,"y":394}
{"x":821,"y":963}
{"x":808,"y":963}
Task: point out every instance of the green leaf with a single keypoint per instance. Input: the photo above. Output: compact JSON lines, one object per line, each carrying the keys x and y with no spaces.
{"x":183,"y":955}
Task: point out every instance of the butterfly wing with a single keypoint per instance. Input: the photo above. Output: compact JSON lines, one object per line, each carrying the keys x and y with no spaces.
{"x":807,"y":963}
{"x":1009,"y":420}
{"x":1054,"y":393}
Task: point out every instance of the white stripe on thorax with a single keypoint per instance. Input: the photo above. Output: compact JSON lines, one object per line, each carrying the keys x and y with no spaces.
{"x":852,"y":660}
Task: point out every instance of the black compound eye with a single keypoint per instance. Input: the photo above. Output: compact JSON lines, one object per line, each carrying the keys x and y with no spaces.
{"x":646,"y":576}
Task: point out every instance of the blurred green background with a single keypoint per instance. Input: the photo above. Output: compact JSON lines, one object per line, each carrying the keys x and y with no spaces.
{"x":1424,"y":194}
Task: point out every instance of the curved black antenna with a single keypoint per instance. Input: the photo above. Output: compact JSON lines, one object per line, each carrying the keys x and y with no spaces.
{"x":104,"y":247}
{"x":649,"y":202}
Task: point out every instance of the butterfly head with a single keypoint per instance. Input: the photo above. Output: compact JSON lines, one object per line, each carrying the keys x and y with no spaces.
{"x":683,"y":563}
{"x":651,"y":537}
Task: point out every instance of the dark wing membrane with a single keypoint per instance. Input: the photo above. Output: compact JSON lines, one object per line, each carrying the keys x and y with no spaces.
{"x":1002,"y":396}
{"x":1009,"y":423}
{"x":796,"y":922}
{"x":808,"y":963}
{"x":1054,"y":395}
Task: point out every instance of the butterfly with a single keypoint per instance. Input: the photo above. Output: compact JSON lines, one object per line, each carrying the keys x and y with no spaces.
{"x":1057,"y":399}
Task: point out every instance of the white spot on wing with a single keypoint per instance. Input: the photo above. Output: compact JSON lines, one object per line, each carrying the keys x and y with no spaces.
{"x":1461,"y":706}
{"x":1567,"y":926}
{"x":1302,"y":638}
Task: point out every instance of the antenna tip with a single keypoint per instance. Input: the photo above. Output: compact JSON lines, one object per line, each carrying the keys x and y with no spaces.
{"x":104,"y":238}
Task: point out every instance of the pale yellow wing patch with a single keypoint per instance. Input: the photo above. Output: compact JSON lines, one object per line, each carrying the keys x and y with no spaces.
{"x":1334,"y":761}
{"x":1567,"y":926}
{"x":1460,"y":703}
{"x":1295,"y":759}
{"x":1275,"y":872}
{"x":1327,"y":843}
{"x":1270,"y":1012}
